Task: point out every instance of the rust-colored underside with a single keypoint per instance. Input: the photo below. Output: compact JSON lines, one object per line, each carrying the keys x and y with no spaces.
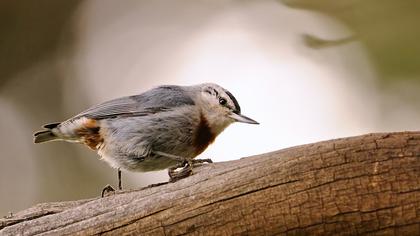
{"x":203,"y":136}
{"x":90,"y":134}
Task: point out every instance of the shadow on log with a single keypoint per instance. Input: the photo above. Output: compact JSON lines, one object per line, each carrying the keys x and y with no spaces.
{"x":368,"y":184}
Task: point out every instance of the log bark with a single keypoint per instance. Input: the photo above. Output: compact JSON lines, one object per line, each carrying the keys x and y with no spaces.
{"x":368,"y":184}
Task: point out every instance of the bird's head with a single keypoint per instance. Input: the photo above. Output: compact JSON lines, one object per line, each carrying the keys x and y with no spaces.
{"x":220,"y":107}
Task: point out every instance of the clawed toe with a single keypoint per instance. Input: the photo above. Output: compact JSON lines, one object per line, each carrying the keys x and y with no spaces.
{"x":107,"y":190}
{"x":186,"y":169}
{"x":175,"y":175}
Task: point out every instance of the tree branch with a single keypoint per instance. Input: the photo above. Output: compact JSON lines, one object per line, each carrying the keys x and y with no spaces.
{"x":368,"y":184}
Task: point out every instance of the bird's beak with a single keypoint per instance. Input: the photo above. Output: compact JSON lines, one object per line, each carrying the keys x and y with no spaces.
{"x":243,"y":119}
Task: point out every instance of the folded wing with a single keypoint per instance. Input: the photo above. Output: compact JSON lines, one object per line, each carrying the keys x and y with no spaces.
{"x":159,"y":99}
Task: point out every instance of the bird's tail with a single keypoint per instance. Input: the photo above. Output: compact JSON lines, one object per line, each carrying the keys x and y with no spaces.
{"x":46,"y":135}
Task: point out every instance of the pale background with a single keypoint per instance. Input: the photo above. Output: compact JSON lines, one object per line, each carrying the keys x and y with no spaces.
{"x":306,"y":70}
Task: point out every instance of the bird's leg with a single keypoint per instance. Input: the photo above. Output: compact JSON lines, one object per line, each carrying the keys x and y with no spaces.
{"x":187,"y":169}
{"x":119,"y":180}
{"x":109,"y":189}
{"x":184,"y":163}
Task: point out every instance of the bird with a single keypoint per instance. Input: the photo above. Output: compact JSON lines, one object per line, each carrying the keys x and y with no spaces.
{"x":165,"y":127}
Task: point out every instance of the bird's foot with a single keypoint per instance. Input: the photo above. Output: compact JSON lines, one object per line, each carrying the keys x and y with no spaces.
{"x":186,"y":169}
{"x":175,"y":175}
{"x":107,"y":191}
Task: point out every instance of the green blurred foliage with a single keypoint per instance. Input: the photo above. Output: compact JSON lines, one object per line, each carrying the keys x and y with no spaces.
{"x":389,"y":30}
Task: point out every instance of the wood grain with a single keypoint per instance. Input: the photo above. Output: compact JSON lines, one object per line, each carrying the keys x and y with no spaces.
{"x":368,"y":184}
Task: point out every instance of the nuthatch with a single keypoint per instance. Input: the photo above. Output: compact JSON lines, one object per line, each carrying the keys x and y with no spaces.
{"x":165,"y":127}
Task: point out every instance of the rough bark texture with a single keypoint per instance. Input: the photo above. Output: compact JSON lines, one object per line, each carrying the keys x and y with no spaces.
{"x":368,"y":184}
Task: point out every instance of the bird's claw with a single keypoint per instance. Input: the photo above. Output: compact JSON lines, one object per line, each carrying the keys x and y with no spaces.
{"x":175,"y":175}
{"x":187,"y":169}
{"x":107,"y":190}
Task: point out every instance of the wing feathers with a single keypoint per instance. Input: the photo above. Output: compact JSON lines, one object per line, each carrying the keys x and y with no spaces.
{"x":159,"y":99}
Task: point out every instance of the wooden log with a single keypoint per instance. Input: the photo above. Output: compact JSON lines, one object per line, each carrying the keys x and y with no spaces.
{"x":368,"y":184}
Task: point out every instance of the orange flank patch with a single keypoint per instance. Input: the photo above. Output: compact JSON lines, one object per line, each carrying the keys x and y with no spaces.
{"x":91,"y":124}
{"x":89,"y":133}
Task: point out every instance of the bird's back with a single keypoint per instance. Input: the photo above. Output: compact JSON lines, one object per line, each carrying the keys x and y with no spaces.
{"x":85,"y":127}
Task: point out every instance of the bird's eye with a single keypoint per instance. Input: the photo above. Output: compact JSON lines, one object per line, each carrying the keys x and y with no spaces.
{"x":222,"y":101}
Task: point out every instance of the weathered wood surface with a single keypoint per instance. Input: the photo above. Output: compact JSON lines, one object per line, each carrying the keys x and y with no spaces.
{"x":368,"y":184}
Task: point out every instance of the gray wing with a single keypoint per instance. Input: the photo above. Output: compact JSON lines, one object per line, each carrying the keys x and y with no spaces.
{"x":159,"y":99}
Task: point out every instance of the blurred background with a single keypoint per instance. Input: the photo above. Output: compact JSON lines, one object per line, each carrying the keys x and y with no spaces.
{"x":306,"y":70}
